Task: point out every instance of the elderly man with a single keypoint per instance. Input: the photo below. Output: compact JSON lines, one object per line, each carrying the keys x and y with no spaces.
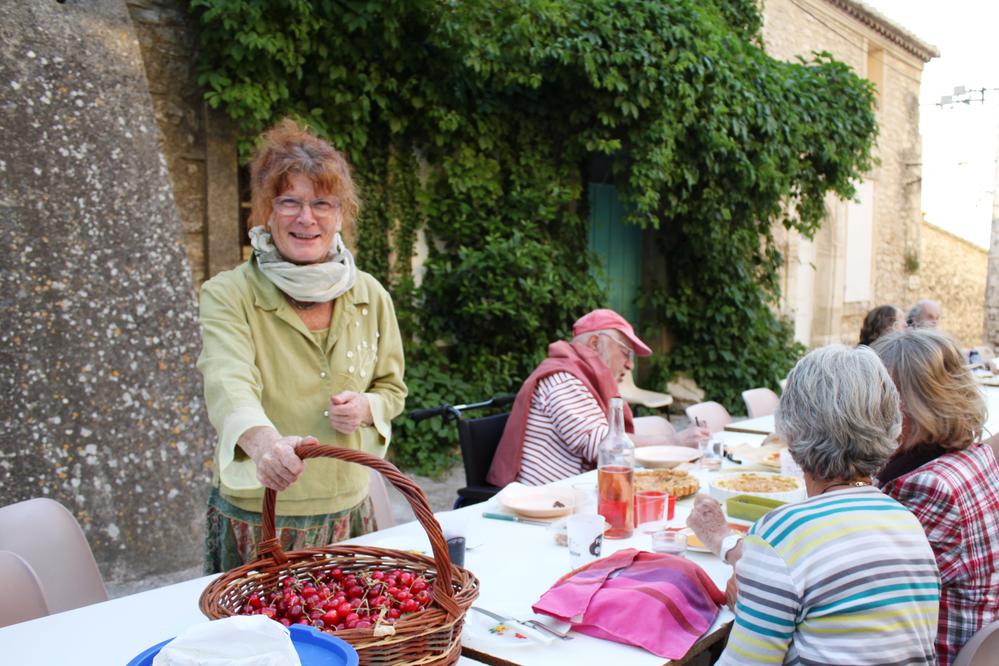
{"x":924,"y":314}
{"x":560,"y":415}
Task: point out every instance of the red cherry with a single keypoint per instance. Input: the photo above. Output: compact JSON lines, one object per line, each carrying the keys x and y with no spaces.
{"x":331,"y":618}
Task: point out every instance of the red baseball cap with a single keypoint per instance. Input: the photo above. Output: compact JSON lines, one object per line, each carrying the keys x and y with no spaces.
{"x":603,"y":320}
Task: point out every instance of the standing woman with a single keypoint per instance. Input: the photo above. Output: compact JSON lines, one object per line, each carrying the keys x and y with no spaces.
{"x":299,"y":346}
{"x":946,"y":478}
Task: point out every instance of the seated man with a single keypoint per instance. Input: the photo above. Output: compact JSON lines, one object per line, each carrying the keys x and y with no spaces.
{"x":924,"y":314}
{"x":560,"y":415}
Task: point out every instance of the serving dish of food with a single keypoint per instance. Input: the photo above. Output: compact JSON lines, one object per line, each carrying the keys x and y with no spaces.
{"x":760,"y":484}
{"x":671,"y":481}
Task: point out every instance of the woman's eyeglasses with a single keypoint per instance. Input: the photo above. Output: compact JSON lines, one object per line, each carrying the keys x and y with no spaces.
{"x":321,"y":208}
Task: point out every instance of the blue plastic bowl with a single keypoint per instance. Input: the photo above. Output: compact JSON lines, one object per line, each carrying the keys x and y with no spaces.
{"x":314,"y":648}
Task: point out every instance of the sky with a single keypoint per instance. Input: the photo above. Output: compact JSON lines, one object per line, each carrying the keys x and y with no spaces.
{"x":959,"y":141}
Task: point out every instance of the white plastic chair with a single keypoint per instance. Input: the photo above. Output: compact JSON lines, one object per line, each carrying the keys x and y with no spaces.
{"x":639,"y":396}
{"x":654,"y":426}
{"x":712,"y":414}
{"x":982,"y":649}
{"x":22,"y":597}
{"x":50,"y":540}
{"x":380,"y":500}
{"x":760,"y":402}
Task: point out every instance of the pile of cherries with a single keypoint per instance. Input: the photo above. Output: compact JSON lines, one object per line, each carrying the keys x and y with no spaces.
{"x":335,"y":600}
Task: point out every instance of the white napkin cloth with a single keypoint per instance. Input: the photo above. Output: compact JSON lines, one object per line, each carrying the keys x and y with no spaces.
{"x":243,"y":640}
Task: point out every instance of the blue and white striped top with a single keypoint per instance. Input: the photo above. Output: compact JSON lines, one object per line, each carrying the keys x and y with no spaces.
{"x":845,"y":577}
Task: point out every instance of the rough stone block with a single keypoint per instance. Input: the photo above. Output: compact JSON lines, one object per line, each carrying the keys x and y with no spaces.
{"x":102,"y":403}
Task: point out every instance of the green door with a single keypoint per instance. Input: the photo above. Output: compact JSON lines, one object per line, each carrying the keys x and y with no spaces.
{"x":618,"y":246}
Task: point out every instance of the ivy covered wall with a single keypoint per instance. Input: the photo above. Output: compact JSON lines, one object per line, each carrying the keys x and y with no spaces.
{"x":476,"y":121}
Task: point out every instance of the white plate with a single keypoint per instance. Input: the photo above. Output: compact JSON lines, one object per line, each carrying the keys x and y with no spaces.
{"x":483,"y":632}
{"x":665,"y":456}
{"x":538,"y":501}
{"x":722,"y":494}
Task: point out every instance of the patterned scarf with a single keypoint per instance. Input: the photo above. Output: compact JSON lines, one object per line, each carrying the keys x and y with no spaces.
{"x":313,"y":283}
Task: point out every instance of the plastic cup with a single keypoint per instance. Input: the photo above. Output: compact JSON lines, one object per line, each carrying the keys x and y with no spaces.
{"x":671,"y":507}
{"x":672,"y":542}
{"x":650,"y":506}
{"x":586,"y":538}
{"x":454,"y":526}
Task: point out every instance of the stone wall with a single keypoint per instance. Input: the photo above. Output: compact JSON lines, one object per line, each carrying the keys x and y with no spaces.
{"x":815,"y":272}
{"x":953,"y":271}
{"x":199,"y":144}
{"x":102,"y":405}
{"x":166,"y":38}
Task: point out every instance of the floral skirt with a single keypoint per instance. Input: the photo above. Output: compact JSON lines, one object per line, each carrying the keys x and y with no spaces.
{"x":232,"y":533}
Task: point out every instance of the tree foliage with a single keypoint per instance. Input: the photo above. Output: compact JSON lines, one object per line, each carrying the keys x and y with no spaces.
{"x":475,"y":120}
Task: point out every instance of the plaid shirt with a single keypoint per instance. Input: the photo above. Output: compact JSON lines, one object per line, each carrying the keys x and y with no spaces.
{"x":956,"y":498}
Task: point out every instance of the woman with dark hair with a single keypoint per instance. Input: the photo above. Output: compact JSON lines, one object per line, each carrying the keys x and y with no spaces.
{"x":946,"y":477}
{"x":880,"y":321}
{"x":299,"y":346}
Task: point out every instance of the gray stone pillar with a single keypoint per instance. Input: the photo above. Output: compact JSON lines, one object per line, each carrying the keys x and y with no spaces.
{"x":102,"y":405}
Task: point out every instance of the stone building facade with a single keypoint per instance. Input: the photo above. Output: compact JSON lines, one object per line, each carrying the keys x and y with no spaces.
{"x":953,"y":271}
{"x":867,"y":252}
{"x":198,"y":146}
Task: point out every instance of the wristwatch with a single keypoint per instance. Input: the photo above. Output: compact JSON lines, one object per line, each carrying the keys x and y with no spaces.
{"x":727,"y":544}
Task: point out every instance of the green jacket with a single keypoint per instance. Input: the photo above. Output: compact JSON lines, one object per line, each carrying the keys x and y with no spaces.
{"x":262,"y":366}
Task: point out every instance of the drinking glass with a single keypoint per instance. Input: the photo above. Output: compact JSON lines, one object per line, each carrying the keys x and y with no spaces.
{"x":711,"y":454}
{"x":586,"y":497}
{"x":650,"y":506}
{"x":669,"y":541}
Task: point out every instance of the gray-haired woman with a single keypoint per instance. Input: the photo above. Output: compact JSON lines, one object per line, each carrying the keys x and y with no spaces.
{"x":818,"y":579}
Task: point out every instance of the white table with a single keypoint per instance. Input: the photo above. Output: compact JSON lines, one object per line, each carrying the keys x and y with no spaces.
{"x":514,"y":578}
{"x":992,"y":402}
{"x":515,"y":564}
{"x":762,"y":424}
{"x":109,"y":633}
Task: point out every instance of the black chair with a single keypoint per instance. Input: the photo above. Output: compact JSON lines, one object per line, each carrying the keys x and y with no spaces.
{"x":478,"y":439}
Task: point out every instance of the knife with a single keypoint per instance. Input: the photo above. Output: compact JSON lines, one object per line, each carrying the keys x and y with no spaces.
{"x":513,"y":519}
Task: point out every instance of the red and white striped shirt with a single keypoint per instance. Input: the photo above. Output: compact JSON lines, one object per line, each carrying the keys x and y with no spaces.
{"x":565,"y":425}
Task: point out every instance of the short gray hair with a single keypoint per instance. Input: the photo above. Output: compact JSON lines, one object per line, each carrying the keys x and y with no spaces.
{"x":839,"y":413}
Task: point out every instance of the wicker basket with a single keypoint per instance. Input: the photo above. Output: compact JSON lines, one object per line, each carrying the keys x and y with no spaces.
{"x":429,"y":636}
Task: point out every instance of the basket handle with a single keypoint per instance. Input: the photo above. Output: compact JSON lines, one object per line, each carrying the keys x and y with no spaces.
{"x":442,"y":591}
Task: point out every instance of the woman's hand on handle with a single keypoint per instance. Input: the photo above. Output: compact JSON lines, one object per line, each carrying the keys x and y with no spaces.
{"x":278,"y":466}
